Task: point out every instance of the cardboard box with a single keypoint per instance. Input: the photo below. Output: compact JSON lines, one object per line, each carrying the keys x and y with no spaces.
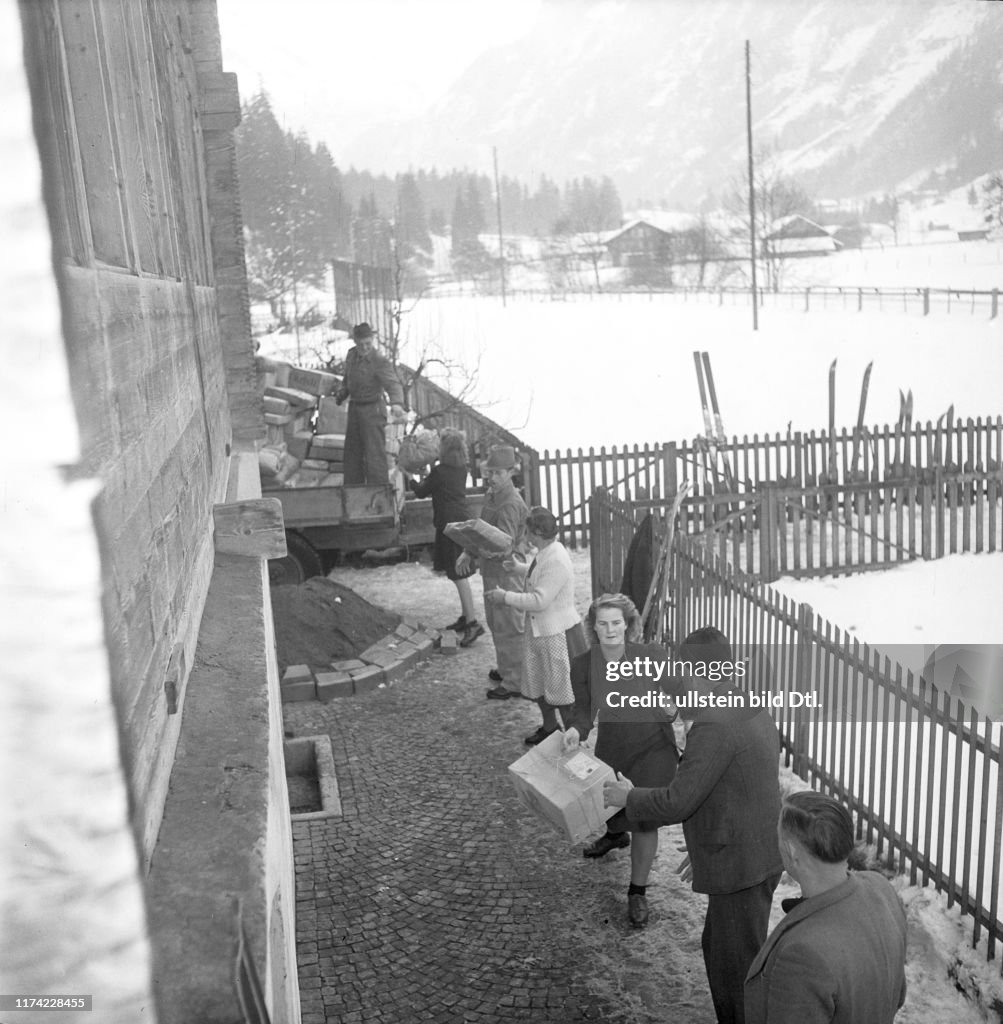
{"x":332,"y":418}
{"x":479,"y":537}
{"x":295,"y":398}
{"x":316,"y":382}
{"x":564,"y":789}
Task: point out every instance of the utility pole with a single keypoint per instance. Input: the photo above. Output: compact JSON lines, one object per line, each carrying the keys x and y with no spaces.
{"x":501,"y":237}
{"x":752,"y":188}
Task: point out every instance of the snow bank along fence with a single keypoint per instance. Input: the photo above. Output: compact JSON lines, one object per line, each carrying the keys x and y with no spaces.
{"x":920,"y":301}
{"x":882,"y":455}
{"x":919,"y":768}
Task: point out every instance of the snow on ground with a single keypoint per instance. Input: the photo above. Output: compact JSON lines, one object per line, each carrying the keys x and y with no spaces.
{"x":955,"y":599}
{"x":963,"y":265}
{"x":619,"y":368}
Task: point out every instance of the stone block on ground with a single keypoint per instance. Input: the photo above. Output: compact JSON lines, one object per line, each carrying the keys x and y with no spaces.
{"x":367,"y":679}
{"x":448,"y":642}
{"x":382,"y":656}
{"x":347,"y":664}
{"x":303,"y":689}
{"x":404,"y":630}
{"x":423,"y":642}
{"x":296,"y":674}
{"x":334,"y":684}
{"x":406,"y":651}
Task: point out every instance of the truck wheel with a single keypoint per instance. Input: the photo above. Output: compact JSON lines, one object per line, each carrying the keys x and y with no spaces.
{"x":301,"y":562}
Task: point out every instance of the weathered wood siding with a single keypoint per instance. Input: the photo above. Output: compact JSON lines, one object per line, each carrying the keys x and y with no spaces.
{"x":117,"y":110}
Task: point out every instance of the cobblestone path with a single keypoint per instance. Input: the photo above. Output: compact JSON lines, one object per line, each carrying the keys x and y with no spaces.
{"x":438,"y":896}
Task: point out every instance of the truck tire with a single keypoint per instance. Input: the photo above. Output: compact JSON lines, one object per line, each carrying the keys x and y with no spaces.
{"x":301,"y":562}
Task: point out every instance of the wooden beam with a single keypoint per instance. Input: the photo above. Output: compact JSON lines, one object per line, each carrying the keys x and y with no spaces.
{"x":253,"y":528}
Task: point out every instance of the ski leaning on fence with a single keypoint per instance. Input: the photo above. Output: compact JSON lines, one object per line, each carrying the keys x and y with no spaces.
{"x":657,"y":597}
{"x":714,"y":434}
{"x":860,"y":434}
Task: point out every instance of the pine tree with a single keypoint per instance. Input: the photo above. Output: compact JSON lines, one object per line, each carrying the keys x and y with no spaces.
{"x":411,"y":224}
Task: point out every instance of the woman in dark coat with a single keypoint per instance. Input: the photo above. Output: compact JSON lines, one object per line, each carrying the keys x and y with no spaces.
{"x":639,"y":742}
{"x":446,"y":485}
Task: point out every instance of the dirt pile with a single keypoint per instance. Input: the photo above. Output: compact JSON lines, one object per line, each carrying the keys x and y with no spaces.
{"x":321,"y":621}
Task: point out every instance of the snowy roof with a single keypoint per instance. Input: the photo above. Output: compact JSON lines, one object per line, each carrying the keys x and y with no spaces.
{"x":797,"y":226}
{"x":664,"y":221}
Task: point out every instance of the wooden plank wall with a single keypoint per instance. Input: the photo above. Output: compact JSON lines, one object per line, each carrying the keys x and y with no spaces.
{"x":125,"y":172}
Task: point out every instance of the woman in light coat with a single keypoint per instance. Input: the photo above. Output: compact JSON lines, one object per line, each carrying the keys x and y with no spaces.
{"x":553,"y":625}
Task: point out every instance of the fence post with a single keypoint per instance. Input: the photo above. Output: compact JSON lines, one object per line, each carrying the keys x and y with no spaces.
{"x":802,"y":679}
{"x":938,"y":505}
{"x":769,"y":528}
{"x":670,"y":480}
{"x":594,"y":556}
{"x":994,"y":304}
{"x":807,"y":299}
{"x":926,"y":302}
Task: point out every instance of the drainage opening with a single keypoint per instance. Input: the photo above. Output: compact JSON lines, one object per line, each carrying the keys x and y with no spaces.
{"x":310,"y":778}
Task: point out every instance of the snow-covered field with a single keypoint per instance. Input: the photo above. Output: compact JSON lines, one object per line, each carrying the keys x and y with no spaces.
{"x":620,"y":369}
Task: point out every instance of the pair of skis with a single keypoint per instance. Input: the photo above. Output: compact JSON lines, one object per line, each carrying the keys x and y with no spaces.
{"x":903,"y":429}
{"x":860,"y":431}
{"x":713,"y":430}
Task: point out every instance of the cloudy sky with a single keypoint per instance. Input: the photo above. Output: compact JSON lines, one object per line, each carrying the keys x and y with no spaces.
{"x":331,"y":67}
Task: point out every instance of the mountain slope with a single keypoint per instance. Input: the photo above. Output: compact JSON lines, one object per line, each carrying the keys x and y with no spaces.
{"x":859,"y":96}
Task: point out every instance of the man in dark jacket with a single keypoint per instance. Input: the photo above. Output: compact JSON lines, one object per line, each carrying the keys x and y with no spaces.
{"x":838,"y":957}
{"x":726,"y":793}
{"x":367,"y":375}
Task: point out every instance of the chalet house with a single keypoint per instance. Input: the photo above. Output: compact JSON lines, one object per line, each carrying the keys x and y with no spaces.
{"x":799,"y":236}
{"x":147,"y":818}
{"x":640,"y":244}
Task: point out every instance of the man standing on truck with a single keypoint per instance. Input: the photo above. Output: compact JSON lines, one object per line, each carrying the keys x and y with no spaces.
{"x":368,"y":374}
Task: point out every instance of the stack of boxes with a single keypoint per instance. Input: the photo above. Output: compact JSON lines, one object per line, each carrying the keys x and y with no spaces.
{"x":327,"y":446}
{"x":305,"y":443}
{"x":292,"y":399}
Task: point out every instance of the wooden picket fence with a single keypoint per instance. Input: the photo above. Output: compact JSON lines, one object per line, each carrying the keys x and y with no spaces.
{"x":566,"y":479}
{"x":815,"y":531}
{"x":917,"y":301}
{"x":919,"y":768}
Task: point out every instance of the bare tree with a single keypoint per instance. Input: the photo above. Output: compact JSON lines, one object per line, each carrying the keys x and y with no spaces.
{"x":448,"y":385}
{"x":777,"y":197}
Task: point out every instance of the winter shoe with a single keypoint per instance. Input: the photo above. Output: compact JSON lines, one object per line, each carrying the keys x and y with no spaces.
{"x":471,"y":632}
